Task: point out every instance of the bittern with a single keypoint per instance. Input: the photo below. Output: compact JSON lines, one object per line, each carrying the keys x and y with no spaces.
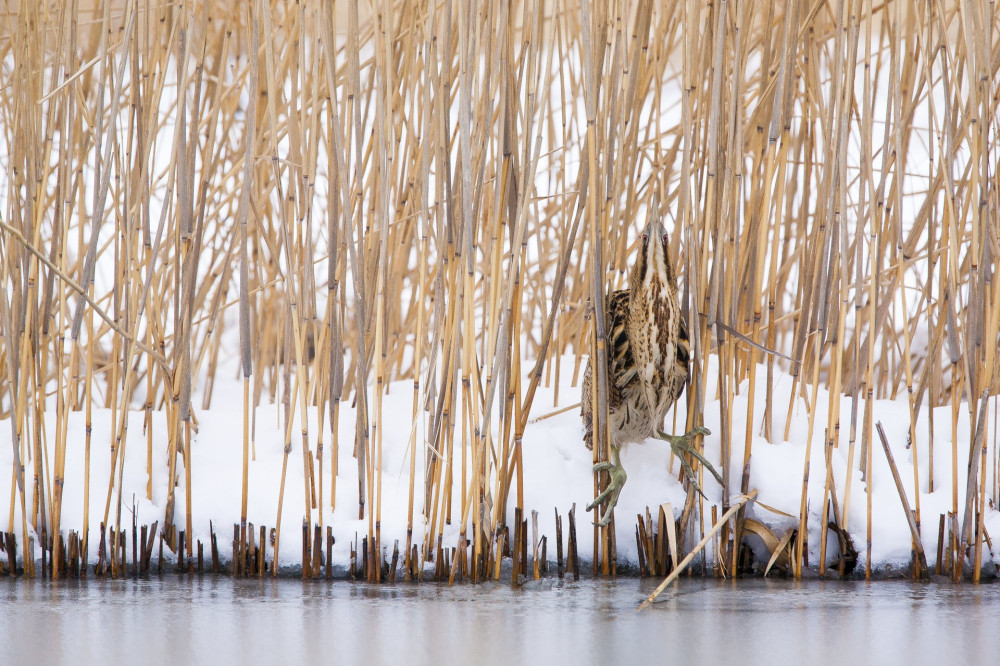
{"x":648,"y":355}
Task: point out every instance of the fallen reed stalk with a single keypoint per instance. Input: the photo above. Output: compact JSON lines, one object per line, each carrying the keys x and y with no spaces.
{"x":739,"y":503}
{"x":920,"y":559}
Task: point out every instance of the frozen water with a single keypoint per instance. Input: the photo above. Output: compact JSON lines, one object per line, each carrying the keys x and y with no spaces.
{"x":222,"y":620}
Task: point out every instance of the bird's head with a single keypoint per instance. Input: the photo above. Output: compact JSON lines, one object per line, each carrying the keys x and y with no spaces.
{"x":652,"y":265}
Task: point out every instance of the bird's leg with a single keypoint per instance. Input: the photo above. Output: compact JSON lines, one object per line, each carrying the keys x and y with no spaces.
{"x":681,"y":444}
{"x":617,"y":479}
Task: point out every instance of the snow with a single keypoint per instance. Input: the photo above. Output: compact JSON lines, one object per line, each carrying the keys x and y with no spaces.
{"x":557,"y":472}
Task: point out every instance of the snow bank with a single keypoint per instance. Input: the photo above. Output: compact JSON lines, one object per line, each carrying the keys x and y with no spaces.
{"x":557,"y":472}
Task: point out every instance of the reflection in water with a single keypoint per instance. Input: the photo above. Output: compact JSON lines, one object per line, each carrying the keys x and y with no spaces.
{"x":221,"y":620}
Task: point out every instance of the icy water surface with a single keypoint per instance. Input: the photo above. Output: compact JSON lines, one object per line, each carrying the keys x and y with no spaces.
{"x":177,"y":620}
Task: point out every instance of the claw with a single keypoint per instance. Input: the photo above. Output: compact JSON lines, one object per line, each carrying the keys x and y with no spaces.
{"x":681,"y":444}
{"x":611,"y":493}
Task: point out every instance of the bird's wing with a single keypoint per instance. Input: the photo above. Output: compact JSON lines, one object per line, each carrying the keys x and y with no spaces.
{"x":683,"y":345}
{"x":621,"y":369}
{"x":621,"y":364}
{"x":679,"y":373}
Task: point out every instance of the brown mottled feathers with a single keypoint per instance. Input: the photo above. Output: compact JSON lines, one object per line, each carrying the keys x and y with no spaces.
{"x":621,"y":365}
{"x":679,"y":374}
{"x":632,"y":419}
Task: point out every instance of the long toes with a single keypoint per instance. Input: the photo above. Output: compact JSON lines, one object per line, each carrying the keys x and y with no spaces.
{"x":696,"y":486}
{"x":608,"y":496}
{"x":714,"y":472}
{"x":691,"y":434}
{"x":612,"y":502}
{"x":681,"y":444}
{"x":597,"y":501}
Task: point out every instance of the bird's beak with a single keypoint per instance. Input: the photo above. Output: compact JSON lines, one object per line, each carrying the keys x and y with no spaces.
{"x":654,"y":226}
{"x":653,"y":220}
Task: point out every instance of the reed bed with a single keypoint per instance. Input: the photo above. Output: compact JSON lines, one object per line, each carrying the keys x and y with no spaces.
{"x":447,"y":193}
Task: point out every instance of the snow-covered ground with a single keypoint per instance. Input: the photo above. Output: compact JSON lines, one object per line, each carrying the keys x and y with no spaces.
{"x":557,"y":473}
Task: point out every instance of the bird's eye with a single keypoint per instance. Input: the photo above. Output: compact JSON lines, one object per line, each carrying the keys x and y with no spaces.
{"x":645,"y":238}
{"x":664,"y":238}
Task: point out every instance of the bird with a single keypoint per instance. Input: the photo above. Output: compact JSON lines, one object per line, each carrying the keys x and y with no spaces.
{"x":648,"y":357}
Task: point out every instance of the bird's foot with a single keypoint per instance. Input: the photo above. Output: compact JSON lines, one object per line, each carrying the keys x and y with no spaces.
{"x":610,"y":494}
{"x":682,"y":444}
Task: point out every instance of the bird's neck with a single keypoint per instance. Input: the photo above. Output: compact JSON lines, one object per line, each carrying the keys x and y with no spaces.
{"x":651,"y":315}
{"x":651,"y":294}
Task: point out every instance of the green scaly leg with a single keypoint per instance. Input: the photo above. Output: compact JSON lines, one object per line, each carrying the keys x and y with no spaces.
{"x":610,"y":495}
